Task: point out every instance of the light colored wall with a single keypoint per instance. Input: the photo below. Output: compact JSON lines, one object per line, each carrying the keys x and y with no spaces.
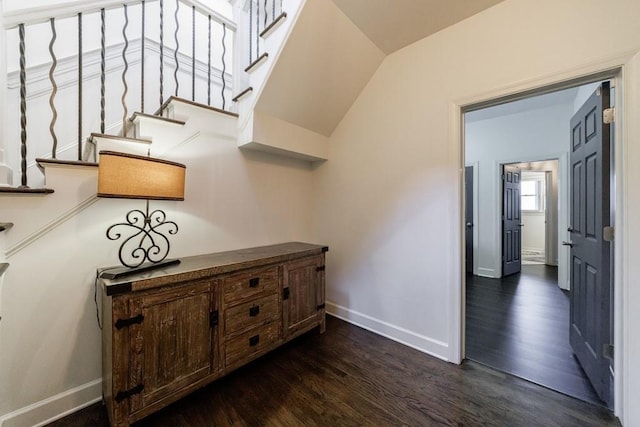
{"x":538,"y":134}
{"x":388,"y":200}
{"x":533,"y":231}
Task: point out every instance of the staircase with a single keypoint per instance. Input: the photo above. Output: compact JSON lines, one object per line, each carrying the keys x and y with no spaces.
{"x":52,"y":224}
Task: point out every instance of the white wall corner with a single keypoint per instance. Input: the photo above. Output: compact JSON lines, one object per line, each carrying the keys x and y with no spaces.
{"x":271,"y":134}
{"x":411,"y":339}
{"x":55,"y":407}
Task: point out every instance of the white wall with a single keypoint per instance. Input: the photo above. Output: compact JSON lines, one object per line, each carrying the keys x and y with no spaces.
{"x":539,"y":134}
{"x":533,"y":232}
{"x":388,"y":200}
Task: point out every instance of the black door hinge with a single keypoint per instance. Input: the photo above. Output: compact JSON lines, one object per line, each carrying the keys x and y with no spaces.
{"x":121,"y":323}
{"x":213,"y":318}
{"x":321,"y":268}
{"x":122,"y":395}
{"x":285,"y":293}
{"x":320,"y":307}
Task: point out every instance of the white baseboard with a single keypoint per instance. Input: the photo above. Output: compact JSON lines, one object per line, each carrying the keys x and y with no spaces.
{"x":487,"y":272}
{"x":538,"y":250}
{"x":55,"y":407}
{"x":403,"y":336}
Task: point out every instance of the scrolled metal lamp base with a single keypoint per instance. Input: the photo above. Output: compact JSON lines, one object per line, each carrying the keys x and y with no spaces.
{"x":147,"y":240}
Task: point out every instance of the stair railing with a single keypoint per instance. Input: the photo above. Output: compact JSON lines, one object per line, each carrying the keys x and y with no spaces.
{"x":263,"y":15}
{"x":97,"y":65}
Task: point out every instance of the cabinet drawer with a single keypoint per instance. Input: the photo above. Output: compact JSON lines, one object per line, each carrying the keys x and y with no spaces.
{"x":250,"y":314}
{"x":251,"y":343}
{"x":250,"y":283}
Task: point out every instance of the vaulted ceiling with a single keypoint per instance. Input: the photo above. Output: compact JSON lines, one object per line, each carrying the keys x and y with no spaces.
{"x":394,"y":24}
{"x":336,"y":47}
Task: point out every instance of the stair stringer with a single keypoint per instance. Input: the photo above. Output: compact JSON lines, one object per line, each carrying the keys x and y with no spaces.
{"x":262,"y":131}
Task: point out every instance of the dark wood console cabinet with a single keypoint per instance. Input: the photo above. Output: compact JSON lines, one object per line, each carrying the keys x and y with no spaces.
{"x":170,"y":331}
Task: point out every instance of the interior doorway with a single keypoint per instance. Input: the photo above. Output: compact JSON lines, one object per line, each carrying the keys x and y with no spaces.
{"x":520,"y":134}
{"x":538,"y":212}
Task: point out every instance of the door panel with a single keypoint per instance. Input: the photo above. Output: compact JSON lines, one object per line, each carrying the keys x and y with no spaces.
{"x":301,"y":306}
{"x":511,"y":220}
{"x":590,"y":254}
{"x":172,"y":345}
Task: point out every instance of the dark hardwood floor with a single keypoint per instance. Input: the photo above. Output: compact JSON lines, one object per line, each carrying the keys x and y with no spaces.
{"x":351,"y":377}
{"x":520,"y":324}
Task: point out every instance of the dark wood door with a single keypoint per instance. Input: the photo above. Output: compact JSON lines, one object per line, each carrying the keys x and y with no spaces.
{"x":172,"y":346}
{"x":303,"y":295}
{"x":468,"y":218}
{"x":590,"y":253}
{"x":511,"y":220}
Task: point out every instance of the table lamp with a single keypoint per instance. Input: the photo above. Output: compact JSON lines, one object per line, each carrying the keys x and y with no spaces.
{"x":129,"y":176}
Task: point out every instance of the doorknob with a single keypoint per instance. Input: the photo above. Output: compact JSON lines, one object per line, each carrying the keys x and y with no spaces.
{"x":570,"y":244}
{"x":570,"y":230}
{"x":520,"y":225}
{"x":469,"y":224}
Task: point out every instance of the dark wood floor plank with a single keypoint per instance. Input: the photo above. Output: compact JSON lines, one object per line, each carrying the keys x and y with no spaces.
{"x":520,"y":324}
{"x":351,"y":377}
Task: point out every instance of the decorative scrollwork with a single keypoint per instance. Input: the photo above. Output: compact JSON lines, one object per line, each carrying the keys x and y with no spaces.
{"x":23,"y":109}
{"x":125,"y":89}
{"x":54,"y":89}
{"x":224,"y":64}
{"x":103,"y":64}
{"x":177,"y":41}
{"x":146,"y":241}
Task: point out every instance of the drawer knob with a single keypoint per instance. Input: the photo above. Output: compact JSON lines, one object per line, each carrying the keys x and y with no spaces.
{"x":253,"y":283}
{"x":254,"y":340}
{"x":254,"y":311}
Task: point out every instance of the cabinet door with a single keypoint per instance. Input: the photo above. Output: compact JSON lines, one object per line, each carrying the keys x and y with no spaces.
{"x":303,"y":294}
{"x":173,"y":345}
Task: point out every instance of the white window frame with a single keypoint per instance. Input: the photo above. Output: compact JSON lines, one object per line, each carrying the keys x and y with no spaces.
{"x":540,"y":199}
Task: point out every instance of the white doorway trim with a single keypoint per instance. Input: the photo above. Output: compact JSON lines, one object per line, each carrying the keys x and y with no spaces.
{"x":614,"y":68}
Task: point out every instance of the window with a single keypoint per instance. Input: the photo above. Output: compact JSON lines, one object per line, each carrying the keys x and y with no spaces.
{"x":532,"y":192}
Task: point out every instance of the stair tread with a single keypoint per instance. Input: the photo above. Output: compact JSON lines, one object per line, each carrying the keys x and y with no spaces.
{"x":257,"y":62}
{"x":152,"y":116}
{"x":195,"y":104}
{"x":25,"y":190}
{"x":243,"y":93}
{"x":273,"y":24}
{"x":121,"y":138}
{"x":80,"y":163}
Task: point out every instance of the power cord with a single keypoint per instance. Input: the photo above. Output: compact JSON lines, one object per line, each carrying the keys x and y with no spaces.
{"x":95,"y":299}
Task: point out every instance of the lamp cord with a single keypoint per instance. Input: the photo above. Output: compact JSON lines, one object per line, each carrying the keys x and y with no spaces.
{"x":95,"y":299}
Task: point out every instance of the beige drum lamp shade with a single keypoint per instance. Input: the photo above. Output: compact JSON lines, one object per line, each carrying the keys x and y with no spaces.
{"x":128,"y":176}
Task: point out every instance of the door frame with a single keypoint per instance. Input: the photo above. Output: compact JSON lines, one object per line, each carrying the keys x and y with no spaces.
{"x":612,"y":68}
